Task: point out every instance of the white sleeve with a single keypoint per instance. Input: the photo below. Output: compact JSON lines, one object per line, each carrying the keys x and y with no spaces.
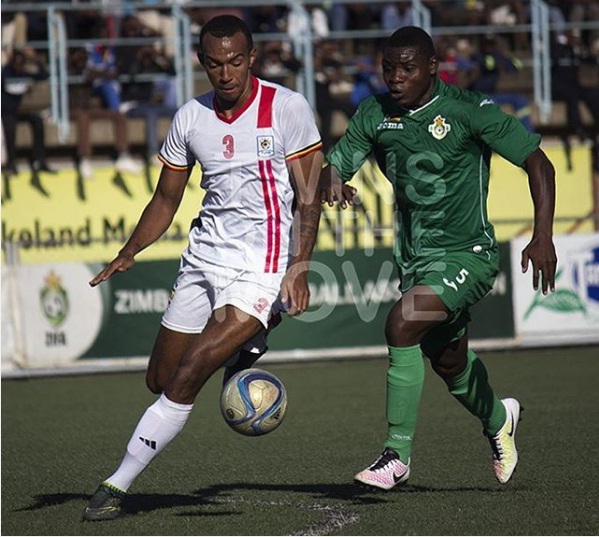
{"x":175,"y":150}
{"x":298,"y":126}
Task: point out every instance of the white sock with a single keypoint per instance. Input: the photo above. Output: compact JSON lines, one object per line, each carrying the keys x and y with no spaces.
{"x":158,"y":426}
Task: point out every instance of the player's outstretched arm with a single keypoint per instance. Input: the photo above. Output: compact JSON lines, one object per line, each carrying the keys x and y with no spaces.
{"x":333,"y":189}
{"x":153,"y":222}
{"x":540,"y":251}
{"x":305,"y":174}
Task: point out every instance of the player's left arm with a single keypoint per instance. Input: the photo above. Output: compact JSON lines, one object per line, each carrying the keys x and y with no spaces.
{"x":305,"y":175}
{"x":540,"y":251}
{"x":506,"y":135}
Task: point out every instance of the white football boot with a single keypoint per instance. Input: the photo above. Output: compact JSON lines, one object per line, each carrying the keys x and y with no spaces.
{"x":505,"y":454}
{"x":385,"y":473}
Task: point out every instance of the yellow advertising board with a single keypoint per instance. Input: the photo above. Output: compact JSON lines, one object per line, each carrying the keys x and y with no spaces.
{"x":65,"y":219}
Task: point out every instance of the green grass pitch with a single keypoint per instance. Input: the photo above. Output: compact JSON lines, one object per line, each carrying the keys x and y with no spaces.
{"x":61,"y":436}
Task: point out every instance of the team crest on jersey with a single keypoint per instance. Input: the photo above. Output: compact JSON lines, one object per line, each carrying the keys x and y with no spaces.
{"x":266,"y":146}
{"x":438,"y":128}
{"x":390,"y":123}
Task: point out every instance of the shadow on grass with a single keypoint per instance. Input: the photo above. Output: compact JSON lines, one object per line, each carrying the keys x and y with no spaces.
{"x":133,"y":504}
{"x":349,"y":492}
{"x":221,"y":495}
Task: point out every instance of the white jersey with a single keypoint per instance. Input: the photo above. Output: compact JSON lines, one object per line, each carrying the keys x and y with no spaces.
{"x":246,"y":216}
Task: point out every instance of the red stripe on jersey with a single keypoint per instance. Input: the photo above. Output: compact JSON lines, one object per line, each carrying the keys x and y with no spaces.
{"x":245,"y":106}
{"x":269,"y":222}
{"x":277,"y":211}
{"x":265,"y":107}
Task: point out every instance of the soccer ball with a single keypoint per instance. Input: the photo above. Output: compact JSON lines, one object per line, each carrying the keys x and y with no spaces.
{"x":253,"y":402}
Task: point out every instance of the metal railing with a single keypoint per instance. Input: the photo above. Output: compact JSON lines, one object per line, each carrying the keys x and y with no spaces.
{"x":183,"y":68}
{"x":59,"y":88}
{"x":58,"y":43}
{"x":541,"y":48}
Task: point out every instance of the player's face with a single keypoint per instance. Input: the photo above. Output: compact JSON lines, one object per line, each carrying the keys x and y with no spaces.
{"x":409,"y":75}
{"x":228,"y":61}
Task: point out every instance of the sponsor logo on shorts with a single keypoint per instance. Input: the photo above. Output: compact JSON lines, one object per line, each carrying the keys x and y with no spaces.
{"x":261,"y":305}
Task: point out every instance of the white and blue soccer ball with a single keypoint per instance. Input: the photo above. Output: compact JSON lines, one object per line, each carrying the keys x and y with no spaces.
{"x":253,"y":402}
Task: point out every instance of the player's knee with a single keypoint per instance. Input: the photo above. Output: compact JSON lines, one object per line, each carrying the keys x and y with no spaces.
{"x":152,"y":383}
{"x":190,"y":375}
{"x":449,"y":367}
{"x":400,"y":331}
{"x":402,"y":334}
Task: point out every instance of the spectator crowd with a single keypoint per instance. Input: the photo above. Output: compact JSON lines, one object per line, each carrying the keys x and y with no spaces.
{"x":121,"y":63}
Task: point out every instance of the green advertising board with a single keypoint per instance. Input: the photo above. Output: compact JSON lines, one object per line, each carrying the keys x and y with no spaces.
{"x":351,"y":294}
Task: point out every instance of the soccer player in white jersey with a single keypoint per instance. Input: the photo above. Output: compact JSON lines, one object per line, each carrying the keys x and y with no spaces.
{"x":259,"y":150}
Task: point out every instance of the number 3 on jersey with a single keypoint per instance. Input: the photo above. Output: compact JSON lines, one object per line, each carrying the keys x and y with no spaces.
{"x":229,"y":144}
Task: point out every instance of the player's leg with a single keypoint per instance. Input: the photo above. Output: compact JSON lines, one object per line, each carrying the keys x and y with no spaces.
{"x":468,"y":278}
{"x":212,"y":314}
{"x":166,"y":354}
{"x":190,"y":306}
{"x":467,"y":380}
{"x":186,"y":315}
{"x":226,"y":332}
{"x":169,"y":347}
{"x":409,"y":320}
{"x":252,"y":351}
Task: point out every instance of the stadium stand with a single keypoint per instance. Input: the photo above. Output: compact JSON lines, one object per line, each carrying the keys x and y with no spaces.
{"x":354,"y":35}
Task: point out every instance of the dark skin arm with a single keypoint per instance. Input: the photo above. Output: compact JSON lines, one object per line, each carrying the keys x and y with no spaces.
{"x":153,"y":222}
{"x":305,"y":174}
{"x":332,"y":189}
{"x":540,"y":251}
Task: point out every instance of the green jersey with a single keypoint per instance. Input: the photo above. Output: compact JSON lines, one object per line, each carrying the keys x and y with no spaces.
{"x":437,"y":158}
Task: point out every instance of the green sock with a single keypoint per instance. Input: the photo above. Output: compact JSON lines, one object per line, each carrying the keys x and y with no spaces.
{"x":471,"y":388}
{"x":405,"y":378}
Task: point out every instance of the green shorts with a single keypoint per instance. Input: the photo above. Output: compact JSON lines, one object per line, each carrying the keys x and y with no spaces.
{"x":460,"y":280}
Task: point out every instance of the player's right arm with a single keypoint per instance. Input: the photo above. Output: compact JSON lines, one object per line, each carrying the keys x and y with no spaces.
{"x":346,"y":158}
{"x":333,"y":189}
{"x":153,"y":222}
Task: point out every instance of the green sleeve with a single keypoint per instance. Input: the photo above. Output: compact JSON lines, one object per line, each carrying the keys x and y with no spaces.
{"x":503,"y":133}
{"x":354,"y":147}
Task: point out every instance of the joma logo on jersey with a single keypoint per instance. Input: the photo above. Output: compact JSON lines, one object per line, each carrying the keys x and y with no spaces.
{"x":438,"y":128}
{"x":266,"y":146}
{"x":390,"y":123}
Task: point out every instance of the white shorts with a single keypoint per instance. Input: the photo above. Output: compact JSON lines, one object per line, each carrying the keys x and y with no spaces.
{"x":201,"y":289}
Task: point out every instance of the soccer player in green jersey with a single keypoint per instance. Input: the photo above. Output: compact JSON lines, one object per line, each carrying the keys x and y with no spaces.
{"x":433,"y":142}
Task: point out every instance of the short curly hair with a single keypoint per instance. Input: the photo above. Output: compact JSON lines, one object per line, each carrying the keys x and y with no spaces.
{"x":225,"y":26}
{"x":411,"y":36}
